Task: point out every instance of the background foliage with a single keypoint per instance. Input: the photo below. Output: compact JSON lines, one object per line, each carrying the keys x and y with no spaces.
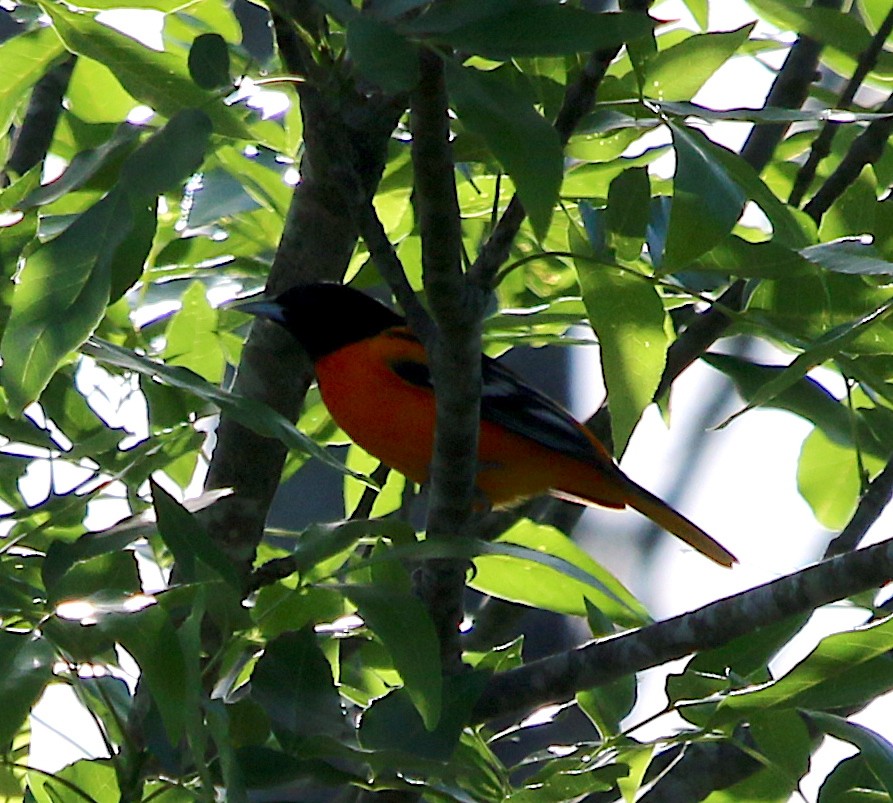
{"x":149,"y":181}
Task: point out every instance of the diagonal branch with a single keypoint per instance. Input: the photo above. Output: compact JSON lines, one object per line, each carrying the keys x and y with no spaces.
{"x":866,"y":150}
{"x":560,"y":676}
{"x":821,"y":147}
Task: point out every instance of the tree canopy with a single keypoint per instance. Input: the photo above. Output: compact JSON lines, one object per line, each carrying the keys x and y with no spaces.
{"x":507,"y":171}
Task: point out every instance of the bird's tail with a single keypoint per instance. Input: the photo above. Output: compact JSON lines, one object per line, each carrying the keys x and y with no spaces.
{"x":674,"y":522}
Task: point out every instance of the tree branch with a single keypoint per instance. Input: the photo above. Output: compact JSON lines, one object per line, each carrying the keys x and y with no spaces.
{"x":821,"y":146}
{"x":558,"y":677}
{"x":317,"y":242}
{"x":870,"y":507}
{"x":867,"y":149}
{"x":790,"y":89}
{"x":454,"y":354}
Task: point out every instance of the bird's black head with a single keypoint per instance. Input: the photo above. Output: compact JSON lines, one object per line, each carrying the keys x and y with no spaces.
{"x":324,"y":317}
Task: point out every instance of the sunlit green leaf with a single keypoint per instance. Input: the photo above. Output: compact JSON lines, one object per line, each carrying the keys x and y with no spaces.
{"x":61,"y":296}
{"x":629,"y":319}
{"x":876,"y":750}
{"x":556,"y":575}
{"x":830,"y":676}
{"x":828,"y":478}
{"x":24,"y":59}
{"x":158,"y":79}
{"x":678,"y":72}
{"x":523,"y":141}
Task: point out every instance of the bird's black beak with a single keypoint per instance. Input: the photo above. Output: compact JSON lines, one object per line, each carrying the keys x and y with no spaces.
{"x":264,"y":308}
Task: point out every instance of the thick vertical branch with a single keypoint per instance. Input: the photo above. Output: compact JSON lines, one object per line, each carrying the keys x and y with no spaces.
{"x":454,"y":353}
{"x":317,"y":241}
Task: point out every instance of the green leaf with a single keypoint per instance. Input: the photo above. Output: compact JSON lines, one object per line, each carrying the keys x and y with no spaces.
{"x":849,"y":255}
{"x":192,"y":338}
{"x":678,"y":72}
{"x":784,"y":741}
{"x":400,"y":620}
{"x":571,"y":777}
{"x":699,"y":10}
{"x":742,"y":662}
{"x":852,"y":781}
{"x":824,"y":348}
{"x":520,"y":29}
{"x":764,"y":260}
{"x":60,"y":298}
{"x":95,"y":780}
{"x":707,"y":201}
{"x":158,"y":79}
{"x":834,"y":674}
{"x":389,"y":499}
{"x":876,"y":750}
{"x":790,"y":227}
{"x":188,"y":541}
{"x":149,"y":636}
{"x":130,"y":256}
{"x":628,"y":318}
{"x":208,"y":61}
{"x":26,"y":666}
{"x":767,"y":114}
{"x":84,"y":166}
{"x":805,"y":397}
{"x":828,"y":478}
{"x":629,"y":200}
{"x":827,"y":25}
{"x":293,"y":683}
{"x":253,"y":414}
{"x":24,"y":59}
{"x":112,"y":576}
{"x":539,"y":566}
{"x":170,"y":156}
{"x":853,"y":213}
{"x":393,"y":723}
{"x":523,"y":142}
{"x":95,"y":95}
{"x":382,"y":55}
{"x":607,"y":706}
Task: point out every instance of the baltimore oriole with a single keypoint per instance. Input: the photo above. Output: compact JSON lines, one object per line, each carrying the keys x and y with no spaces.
{"x":374,"y":379}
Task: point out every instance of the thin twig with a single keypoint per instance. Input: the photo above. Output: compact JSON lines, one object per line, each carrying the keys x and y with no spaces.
{"x":870,"y":507}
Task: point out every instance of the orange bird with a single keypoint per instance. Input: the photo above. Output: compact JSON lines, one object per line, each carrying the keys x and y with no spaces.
{"x":374,"y":378}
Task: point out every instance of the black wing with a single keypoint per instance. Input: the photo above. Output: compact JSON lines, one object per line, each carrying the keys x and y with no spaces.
{"x":507,"y":400}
